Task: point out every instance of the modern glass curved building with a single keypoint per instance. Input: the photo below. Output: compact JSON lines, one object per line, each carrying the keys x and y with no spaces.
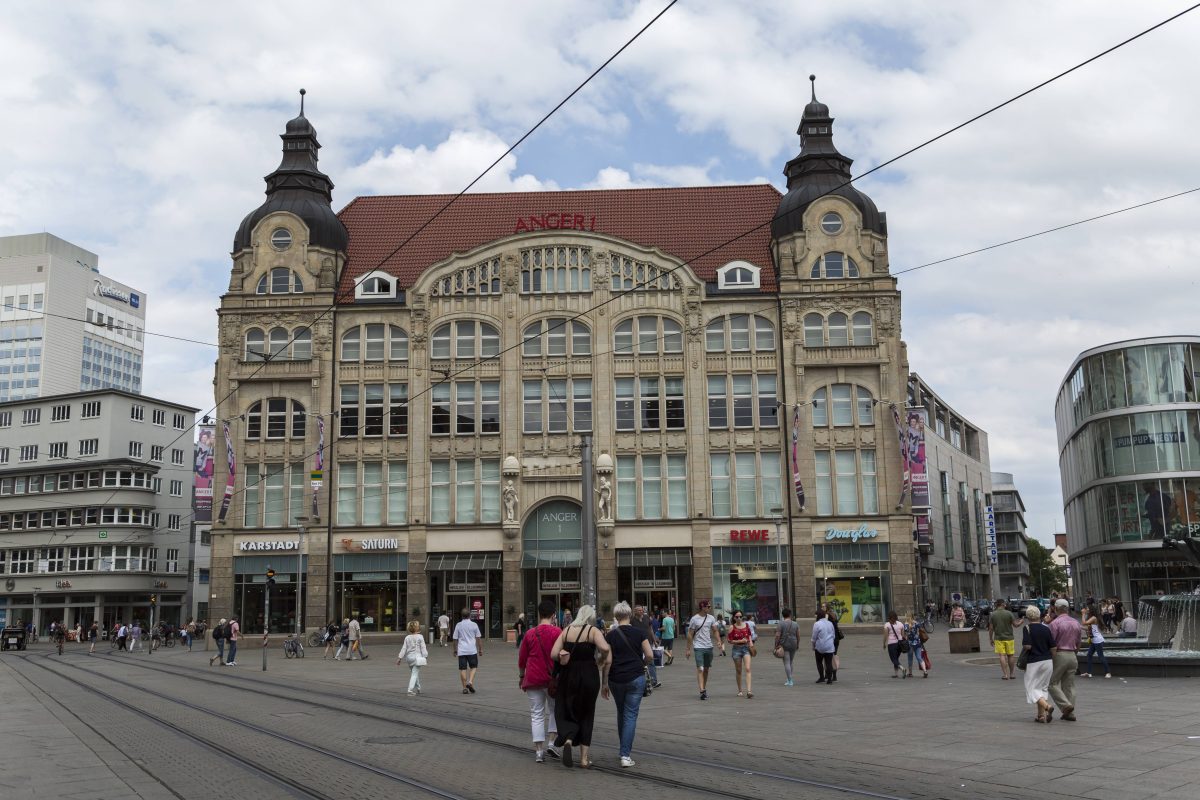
{"x":1128,"y":417}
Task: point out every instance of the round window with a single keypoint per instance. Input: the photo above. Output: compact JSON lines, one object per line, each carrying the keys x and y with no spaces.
{"x":281,"y":238}
{"x":831,"y":223}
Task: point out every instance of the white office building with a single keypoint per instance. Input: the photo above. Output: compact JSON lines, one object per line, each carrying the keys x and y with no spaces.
{"x":64,"y":327}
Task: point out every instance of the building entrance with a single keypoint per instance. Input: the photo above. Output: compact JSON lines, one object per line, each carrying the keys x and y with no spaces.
{"x":550,"y":561}
{"x":470,"y":581}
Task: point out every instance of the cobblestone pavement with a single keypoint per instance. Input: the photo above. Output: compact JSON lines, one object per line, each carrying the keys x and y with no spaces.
{"x":961,"y":733}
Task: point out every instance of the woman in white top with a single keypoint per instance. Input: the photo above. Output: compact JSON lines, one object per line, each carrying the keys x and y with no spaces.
{"x":415,"y":654}
{"x":1089,"y":621}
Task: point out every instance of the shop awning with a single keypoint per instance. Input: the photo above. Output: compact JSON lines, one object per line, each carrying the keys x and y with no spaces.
{"x":661,"y":557}
{"x":442,"y":562}
{"x":541,"y":559}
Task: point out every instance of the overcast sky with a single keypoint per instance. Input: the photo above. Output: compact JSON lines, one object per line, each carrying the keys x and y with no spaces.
{"x":141,"y":131}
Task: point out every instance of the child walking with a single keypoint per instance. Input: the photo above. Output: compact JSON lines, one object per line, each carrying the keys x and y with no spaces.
{"x":415,"y":654}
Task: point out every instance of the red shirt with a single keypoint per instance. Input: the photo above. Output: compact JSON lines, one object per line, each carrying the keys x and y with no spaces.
{"x":534,"y":657}
{"x":738,"y":636}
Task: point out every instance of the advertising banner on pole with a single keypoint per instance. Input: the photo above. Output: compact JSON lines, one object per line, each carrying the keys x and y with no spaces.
{"x":915,"y":422}
{"x":203,"y":469}
{"x":232,"y":476}
{"x":905,"y":467}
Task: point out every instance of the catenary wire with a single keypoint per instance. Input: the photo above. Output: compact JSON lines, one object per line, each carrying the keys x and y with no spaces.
{"x":144,"y":332}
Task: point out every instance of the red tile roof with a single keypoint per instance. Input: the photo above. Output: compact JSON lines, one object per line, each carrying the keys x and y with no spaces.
{"x":683,"y":222}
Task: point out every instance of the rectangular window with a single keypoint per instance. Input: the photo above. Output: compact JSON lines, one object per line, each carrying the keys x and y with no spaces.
{"x":464,"y":490}
{"x":650,"y":404}
{"x":556,"y":421}
{"x":652,"y":487}
{"x":625,"y":414}
{"x":397,"y":494}
{"x":372,"y":492}
{"x":137,"y":412}
{"x":348,"y":415}
{"x":677,"y":505}
{"x":373,"y":409}
{"x":673,"y":392}
{"x":29,"y":452}
{"x":5,"y":419}
{"x":722,"y":496}
{"x":718,"y":402}
{"x":398,"y":409}
{"x":172,"y":522}
{"x":847,"y":483}
{"x":177,"y":488}
{"x":743,"y":401}
{"x":177,"y":457}
{"x":464,"y":408}
{"x":60,"y":413}
{"x":531,"y":401}
{"x":768,"y":401}
{"x":31,"y":416}
{"x":172,"y":564}
{"x":824,"y":473}
{"x":626,"y":487}
{"x":870,"y":484}
{"x":489,"y":407}
{"x":251,"y":505}
{"x":841,"y":404}
{"x":771,"y":481}
{"x":202,"y":575}
{"x":180,"y":422}
{"x":274,"y":513}
{"x":745,"y":484}
{"x":439,"y":492}
{"x":91,"y":409}
{"x":296,"y":477}
{"x":158,"y":416}
{"x":581,"y":404}
{"x":440,"y":409}
{"x":347,"y":493}
{"x":489,"y":490}
{"x":277,"y":418}
{"x":58,"y":449}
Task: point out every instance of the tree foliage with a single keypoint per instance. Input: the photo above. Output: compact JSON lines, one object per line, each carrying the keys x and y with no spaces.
{"x":1044,"y":575}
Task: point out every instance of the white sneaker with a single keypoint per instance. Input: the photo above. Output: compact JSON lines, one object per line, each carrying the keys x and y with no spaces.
{"x":626,"y":761}
{"x":553,"y":752}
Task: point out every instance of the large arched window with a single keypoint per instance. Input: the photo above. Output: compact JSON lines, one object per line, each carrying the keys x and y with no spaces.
{"x":834,"y":265}
{"x":556,"y":337}
{"x":256,"y":349}
{"x":465,"y":339}
{"x":647,"y":335}
{"x":375,"y":342}
{"x":862,"y":332}
{"x":278,"y":341}
{"x":843,"y":405}
{"x":814,"y":330}
{"x":285,"y":419}
{"x":739,"y":333}
{"x":281,"y":280}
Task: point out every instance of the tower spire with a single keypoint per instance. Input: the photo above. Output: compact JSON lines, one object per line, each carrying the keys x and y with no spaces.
{"x":302,"y":93}
{"x":811,"y":78}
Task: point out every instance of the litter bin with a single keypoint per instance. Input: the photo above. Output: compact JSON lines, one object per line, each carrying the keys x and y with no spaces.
{"x":964,"y":640}
{"x":13,"y":637}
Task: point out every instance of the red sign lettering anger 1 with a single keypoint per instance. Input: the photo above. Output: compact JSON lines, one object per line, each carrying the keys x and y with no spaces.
{"x":749,"y":535}
{"x":556,"y":221}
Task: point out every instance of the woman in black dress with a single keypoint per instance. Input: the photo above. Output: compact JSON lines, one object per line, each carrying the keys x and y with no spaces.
{"x":576,"y":650}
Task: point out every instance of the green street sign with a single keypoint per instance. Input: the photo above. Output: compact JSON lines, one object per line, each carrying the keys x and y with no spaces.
{"x":103,"y":534}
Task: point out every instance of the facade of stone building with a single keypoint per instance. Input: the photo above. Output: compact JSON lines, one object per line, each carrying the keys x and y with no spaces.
{"x":453,"y":352}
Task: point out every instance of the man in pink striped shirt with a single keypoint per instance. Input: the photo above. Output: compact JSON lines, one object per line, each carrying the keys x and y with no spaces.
{"x":1067,"y":633}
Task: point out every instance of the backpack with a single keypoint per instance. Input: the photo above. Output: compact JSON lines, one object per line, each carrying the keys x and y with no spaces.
{"x":219,"y":632}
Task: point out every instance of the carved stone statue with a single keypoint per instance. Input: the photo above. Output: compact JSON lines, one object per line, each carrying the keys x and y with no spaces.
{"x":603,"y":500}
{"x":510,"y":502}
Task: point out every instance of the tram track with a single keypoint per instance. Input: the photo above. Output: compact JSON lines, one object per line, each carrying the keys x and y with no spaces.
{"x":294,"y":787}
{"x":265,"y":689}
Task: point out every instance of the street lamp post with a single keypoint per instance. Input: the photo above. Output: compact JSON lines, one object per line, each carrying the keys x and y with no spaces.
{"x":301,"y":523}
{"x":777,"y":512}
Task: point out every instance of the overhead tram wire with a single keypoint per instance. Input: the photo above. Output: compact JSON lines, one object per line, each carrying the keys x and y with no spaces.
{"x":8,"y":307}
{"x":478,"y":178}
{"x":742,"y":235}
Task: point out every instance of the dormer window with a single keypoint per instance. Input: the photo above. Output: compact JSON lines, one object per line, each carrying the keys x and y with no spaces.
{"x":738,"y":275}
{"x":375,"y":285}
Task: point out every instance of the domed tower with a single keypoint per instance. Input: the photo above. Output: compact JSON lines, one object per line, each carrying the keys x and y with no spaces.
{"x":273,"y":382}
{"x":841,"y":325}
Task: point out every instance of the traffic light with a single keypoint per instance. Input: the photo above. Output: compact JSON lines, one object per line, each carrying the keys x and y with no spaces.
{"x":270,"y":577}
{"x":153,"y":599}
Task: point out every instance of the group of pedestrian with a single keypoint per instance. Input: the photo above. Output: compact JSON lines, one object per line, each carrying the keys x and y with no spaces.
{"x":1051,"y":661}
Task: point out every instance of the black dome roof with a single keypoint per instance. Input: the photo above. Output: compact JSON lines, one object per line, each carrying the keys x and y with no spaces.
{"x":298,"y":187}
{"x":820,"y":170}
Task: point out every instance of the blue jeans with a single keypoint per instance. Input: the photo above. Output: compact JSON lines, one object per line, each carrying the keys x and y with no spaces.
{"x":1097,"y":648}
{"x":232,"y":651}
{"x":628,"y":697}
{"x":917,"y":651}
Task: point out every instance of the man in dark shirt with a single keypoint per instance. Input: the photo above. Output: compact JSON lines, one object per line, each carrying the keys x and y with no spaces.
{"x":642,"y":622}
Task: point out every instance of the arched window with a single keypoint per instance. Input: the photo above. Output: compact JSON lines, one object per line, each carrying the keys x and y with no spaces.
{"x":739,"y":333}
{"x":556,"y":337}
{"x":301,"y":344}
{"x":839,"y":333}
{"x":373,"y":344}
{"x":465,"y":339}
{"x":281,"y":280}
{"x":278,"y":341}
{"x":863,"y":330}
{"x":397,"y":343}
{"x":285,"y":419}
{"x":556,"y":268}
{"x":376,"y":285}
{"x":814,"y":330}
{"x":834,"y":265}
{"x":647,"y":335}
{"x":843,"y":404}
{"x":255,"y":345}
{"x":351,"y":345}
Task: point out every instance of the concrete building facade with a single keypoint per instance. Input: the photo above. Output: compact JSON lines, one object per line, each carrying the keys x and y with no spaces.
{"x":95,"y":501}
{"x":1012,"y":542}
{"x":64,"y":327}
{"x":447,"y":371}
{"x":960,"y":489}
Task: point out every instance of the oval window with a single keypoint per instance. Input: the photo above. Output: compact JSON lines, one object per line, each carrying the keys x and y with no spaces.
{"x":281,"y":238}
{"x":831,"y":223}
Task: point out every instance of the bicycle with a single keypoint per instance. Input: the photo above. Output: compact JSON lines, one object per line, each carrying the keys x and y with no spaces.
{"x":928,"y":623}
{"x":292,"y":647}
{"x":316,"y":638}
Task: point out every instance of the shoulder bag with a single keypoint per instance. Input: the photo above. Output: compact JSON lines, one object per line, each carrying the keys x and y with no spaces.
{"x":922,"y":635}
{"x":645,"y":669}
{"x":903,"y":641}
{"x":1023,"y":658}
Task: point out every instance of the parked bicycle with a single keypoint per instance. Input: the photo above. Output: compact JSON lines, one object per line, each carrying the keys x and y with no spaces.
{"x":292,"y":647}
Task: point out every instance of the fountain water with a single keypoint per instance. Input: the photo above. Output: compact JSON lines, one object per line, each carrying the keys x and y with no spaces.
{"x":1168,"y":641}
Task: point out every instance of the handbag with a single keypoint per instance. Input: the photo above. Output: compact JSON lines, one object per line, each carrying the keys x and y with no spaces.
{"x":925,"y":658}
{"x":778,"y":651}
{"x":1023,"y":660}
{"x":904,"y":648}
{"x":922,"y":635}
{"x":752,"y":650}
